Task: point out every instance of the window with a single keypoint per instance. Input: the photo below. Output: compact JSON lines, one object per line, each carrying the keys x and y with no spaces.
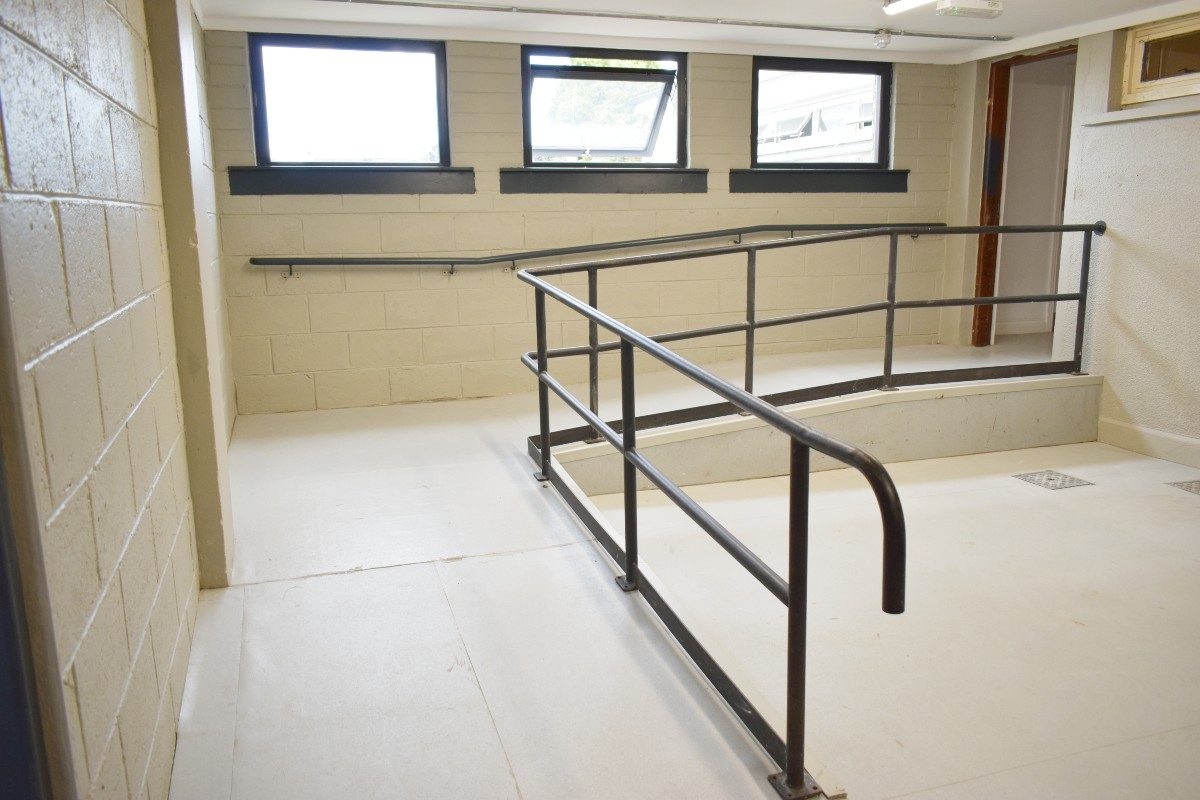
{"x":611,"y":108}
{"x":1162,"y":60}
{"x":818,"y":114}
{"x":328,"y":100}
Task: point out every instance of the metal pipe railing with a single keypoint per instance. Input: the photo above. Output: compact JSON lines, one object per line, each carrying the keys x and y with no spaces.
{"x":551,"y":252}
{"x":845,"y":233}
{"x":793,"y":781}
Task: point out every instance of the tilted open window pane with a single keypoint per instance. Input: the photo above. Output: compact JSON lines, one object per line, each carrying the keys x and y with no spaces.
{"x":602,"y":110}
{"x":811,"y":117}
{"x":353,"y":102}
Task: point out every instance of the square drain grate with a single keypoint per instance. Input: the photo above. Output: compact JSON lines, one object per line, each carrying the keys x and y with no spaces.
{"x":1187,"y":486}
{"x":1049,"y":479}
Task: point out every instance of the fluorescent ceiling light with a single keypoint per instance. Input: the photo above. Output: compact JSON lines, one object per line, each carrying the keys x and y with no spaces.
{"x":900,"y":6}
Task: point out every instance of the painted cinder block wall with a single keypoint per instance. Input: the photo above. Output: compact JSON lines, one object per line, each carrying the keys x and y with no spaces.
{"x":82,"y":239}
{"x":1141,"y":176}
{"x":201,"y":331}
{"x":354,"y":337}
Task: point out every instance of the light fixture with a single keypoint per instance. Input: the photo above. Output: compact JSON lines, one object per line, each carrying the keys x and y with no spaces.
{"x":980,"y":9}
{"x":883,"y":37}
{"x":900,"y":6}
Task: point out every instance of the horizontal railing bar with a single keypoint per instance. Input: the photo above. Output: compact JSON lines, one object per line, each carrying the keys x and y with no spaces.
{"x":550,"y":252}
{"x":828,"y":313}
{"x":694,"y":333}
{"x":989,"y":301}
{"x":845,"y":236}
{"x":719,"y":533}
{"x":663,"y":419}
{"x":611,"y":436}
{"x":811,"y":316}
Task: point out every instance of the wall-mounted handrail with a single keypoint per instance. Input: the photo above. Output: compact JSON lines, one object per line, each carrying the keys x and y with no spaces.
{"x":845,"y":233}
{"x":793,"y":781}
{"x":551,"y":252}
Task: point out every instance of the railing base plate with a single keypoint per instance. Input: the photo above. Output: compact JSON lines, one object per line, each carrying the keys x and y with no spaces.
{"x":626,"y":584}
{"x":809,"y":789}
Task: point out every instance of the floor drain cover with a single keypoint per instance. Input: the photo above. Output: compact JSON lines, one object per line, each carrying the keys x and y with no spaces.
{"x":1049,"y":479}
{"x":1187,"y":486}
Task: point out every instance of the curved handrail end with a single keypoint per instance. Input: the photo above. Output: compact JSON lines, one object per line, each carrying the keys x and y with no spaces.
{"x":895,"y":545}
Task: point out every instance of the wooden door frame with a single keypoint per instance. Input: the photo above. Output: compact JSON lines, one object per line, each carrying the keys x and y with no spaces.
{"x":995,"y":147}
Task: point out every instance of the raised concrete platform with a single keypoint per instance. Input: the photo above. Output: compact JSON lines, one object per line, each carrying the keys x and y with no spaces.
{"x":904,"y":425}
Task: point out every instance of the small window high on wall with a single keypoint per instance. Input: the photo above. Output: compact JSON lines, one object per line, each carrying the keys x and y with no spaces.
{"x":1162,"y":61}
{"x":611,"y":108}
{"x":331,"y":100}
{"x":821,"y":114}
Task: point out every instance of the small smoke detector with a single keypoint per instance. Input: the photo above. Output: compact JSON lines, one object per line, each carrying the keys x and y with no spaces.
{"x":982,"y":9}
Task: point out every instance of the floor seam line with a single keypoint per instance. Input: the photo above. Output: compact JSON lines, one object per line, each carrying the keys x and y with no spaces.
{"x":478,"y":683}
{"x":425,"y":562}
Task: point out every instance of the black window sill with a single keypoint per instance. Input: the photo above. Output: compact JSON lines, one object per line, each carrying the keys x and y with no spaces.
{"x":603,"y":180}
{"x":884,"y":181}
{"x":351,"y":180}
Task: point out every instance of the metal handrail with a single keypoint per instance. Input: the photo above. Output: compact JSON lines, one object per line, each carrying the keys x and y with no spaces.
{"x":843,"y":233}
{"x":848,"y":454}
{"x":551,"y":252}
{"x":793,"y":781}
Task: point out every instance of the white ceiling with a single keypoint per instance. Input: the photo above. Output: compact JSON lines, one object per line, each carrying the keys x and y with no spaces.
{"x":1031,"y":23}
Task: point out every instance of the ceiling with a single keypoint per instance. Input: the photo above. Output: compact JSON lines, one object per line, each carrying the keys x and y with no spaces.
{"x":1030,"y":23}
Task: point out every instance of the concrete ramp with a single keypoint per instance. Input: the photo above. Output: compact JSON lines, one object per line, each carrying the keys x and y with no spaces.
{"x":903,"y":425}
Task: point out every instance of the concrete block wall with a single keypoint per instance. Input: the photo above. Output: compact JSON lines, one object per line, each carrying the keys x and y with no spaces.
{"x":362,"y":336}
{"x":83,"y":253}
{"x":1140,"y":331}
{"x":204,"y":175}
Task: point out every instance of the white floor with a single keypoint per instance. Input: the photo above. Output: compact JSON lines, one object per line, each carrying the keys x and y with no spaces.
{"x":1050,"y":645}
{"x":318,"y":492}
{"x":416,"y":617}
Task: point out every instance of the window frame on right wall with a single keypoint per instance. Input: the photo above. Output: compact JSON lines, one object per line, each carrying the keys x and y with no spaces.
{"x":1135,"y":90}
{"x":883,"y":69}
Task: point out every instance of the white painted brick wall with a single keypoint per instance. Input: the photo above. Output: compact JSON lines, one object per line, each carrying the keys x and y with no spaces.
{"x":84,"y":261}
{"x":474,"y":325}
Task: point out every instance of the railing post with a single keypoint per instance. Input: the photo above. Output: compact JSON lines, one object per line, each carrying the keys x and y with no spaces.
{"x":794,"y":783}
{"x":1081,"y":315}
{"x":629,"y":581}
{"x":593,"y":352}
{"x":889,"y":333}
{"x":751,"y":315}
{"x":539,"y":305}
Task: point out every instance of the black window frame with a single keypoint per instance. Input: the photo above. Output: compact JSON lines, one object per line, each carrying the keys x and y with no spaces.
{"x":602,"y":73}
{"x":885,"y":70}
{"x":262,"y":152}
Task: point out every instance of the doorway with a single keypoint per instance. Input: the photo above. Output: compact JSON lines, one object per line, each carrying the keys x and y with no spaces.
{"x":1025,"y":172}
